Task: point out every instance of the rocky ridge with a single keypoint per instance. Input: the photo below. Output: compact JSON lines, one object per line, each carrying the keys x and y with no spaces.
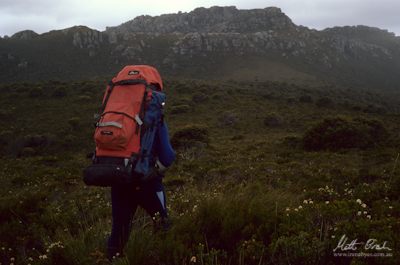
{"x":25,"y":35}
{"x":215,"y":19}
{"x":175,"y":41}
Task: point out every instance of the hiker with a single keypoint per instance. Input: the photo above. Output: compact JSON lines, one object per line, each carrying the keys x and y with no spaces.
{"x":150,"y":195}
{"x":132,"y":151}
{"x":125,"y":198}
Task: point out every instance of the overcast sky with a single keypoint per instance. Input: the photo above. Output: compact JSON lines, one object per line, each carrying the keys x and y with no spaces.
{"x":45,"y":15}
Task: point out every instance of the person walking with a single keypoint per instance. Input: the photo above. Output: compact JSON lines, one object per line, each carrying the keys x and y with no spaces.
{"x":133,"y":151}
{"x":150,"y":195}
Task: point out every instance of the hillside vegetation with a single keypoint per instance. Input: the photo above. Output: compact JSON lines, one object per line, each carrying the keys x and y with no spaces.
{"x":267,"y":173}
{"x":210,"y":43}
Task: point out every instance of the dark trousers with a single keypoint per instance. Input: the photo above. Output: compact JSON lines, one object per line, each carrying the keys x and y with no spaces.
{"x":125,"y":200}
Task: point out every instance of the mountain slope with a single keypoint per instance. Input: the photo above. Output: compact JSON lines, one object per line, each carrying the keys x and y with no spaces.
{"x":213,"y":43}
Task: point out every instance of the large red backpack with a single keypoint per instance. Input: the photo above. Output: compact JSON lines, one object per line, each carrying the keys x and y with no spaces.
{"x":118,"y":129}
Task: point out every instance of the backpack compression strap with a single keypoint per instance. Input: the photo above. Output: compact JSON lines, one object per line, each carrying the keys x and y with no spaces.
{"x":111,"y":86}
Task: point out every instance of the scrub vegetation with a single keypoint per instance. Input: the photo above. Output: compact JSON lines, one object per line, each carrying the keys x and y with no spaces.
{"x":267,"y":173}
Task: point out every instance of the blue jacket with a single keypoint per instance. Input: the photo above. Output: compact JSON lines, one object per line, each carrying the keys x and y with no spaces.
{"x":166,"y":154}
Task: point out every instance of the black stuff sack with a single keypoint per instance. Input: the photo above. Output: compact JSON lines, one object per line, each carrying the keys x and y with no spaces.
{"x":107,"y":175}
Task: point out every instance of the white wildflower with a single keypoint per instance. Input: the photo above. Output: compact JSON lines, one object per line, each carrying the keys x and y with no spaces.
{"x":43,"y":257}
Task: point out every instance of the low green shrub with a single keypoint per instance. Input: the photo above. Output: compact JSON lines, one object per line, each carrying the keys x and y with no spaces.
{"x":39,"y":140}
{"x":292,"y":141}
{"x":74,"y":122}
{"x":228,"y":118}
{"x":59,"y":92}
{"x":189,"y":135}
{"x":84,"y":98}
{"x":324,"y":102}
{"x":273,"y":120}
{"x":5,"y":137}
{"x":199,"y":97}
{"x":179,"y":109}
{"x":36,"y":92}
{"x":305,"y":99}
{"x":28,"y":151}
{"x":339,"y":133}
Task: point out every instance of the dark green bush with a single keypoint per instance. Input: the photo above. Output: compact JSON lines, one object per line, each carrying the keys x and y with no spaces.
{"x":182,"y":87}
{"x":199,"y":97}
{"x":290,"y":100}
{"x":218,"y":96}
{"x":324,"y":102}
{"x":69,"y":141}
{"x":237,"y":137}
{"x":84,"y":98}
{"x":339,"y":133}
{"x":28,"y":151}
{"x":228,"y":118}
{"x":374,"y":109}
{"x":292,"y":141}
{"x":180,"y":109}
{"x":356,"y":108}
{"x":306,"y":99}
{"x":5,"y":137}
{"x":269,"y":96}
{"x":189,"y":135}
{"x":37,"y":141}
{"x":60,"y":92}
{"x":22,"y":87}
{"x":36,"y":92}
{"x":15,"y":147}
{"x":74,"y":123}
{"x":4,"y":114}
{"x":272,"y":120}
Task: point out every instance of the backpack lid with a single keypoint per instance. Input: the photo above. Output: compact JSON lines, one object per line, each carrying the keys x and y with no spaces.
{"x":146,"y":72}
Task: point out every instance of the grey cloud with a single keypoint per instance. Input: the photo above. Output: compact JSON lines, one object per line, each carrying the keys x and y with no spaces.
{"x":329,"y":13}
{"x":43,"y":15}
{"x":32,"y":7}
{"x":321,"y":14}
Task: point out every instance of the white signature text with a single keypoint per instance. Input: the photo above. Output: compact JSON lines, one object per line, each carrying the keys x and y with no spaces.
{"x":345,"y":244}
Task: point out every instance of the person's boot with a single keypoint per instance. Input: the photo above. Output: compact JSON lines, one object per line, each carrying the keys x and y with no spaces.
{"x":165,"y":224}
{"x":162,"y":224}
